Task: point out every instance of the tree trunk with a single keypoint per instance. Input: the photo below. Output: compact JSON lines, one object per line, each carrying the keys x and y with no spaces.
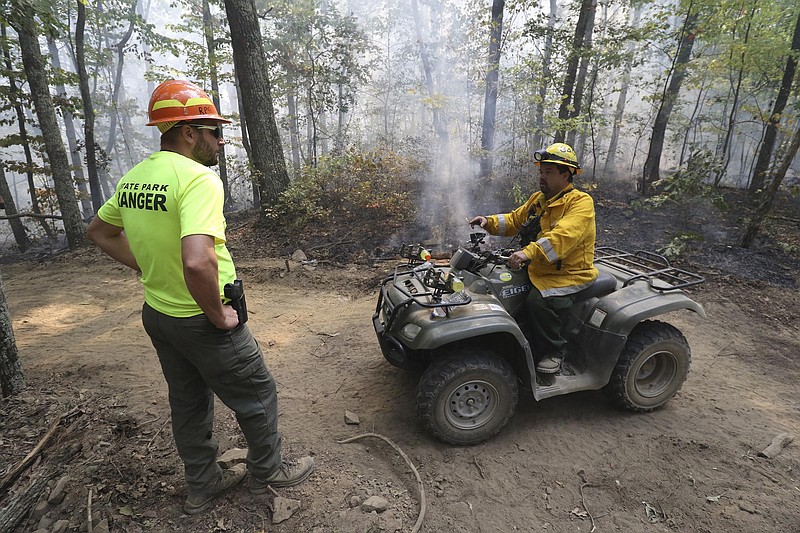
{"x":492,"y":85}
{"x":439,"y":125}
{"x":120,"y":47}
{"x":11,"y":378}
{"x":246,"y":141}
{"x":341,"y":120}
{"x":583,"y":69}
{"x":17,"y":227}
{"x":580,"y":142}
{"x":652,"y":165}
{"x":583,"y":25}
{"x":211,"y":45}
{"x":311,"y":132}
{"x":251,"y":68}
{"x":25,"y":26}
{"x":539,"y":138}
{"x":724,"y":154}
{"x":72,"y":141}
{"x":323,"y":132}
{"x":294,"y":132}
{"x":768,"y":196}
{"x":88,"y":110}
{"x":15,"y":96}
{"x":767,"y":145}
{"x":622,"y":99}
{"x":695,"y":126}
{"x":144,"y":12}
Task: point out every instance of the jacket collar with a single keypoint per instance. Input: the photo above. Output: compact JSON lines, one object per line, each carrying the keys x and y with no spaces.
{"x":559,"y":198}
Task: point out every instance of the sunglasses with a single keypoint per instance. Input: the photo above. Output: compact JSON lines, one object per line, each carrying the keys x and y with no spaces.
{"x":216,"y":131}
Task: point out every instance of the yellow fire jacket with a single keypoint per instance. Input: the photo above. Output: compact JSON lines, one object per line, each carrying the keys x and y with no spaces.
{"x":562,"y":252}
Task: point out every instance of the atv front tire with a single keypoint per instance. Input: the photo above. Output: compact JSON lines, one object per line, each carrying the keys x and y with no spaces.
{"x":651,"y":368}
{"x":467,"y":398}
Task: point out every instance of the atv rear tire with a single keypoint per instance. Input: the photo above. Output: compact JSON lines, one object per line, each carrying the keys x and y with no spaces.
{"x":467,"y":398}
{"x":651,"y":368}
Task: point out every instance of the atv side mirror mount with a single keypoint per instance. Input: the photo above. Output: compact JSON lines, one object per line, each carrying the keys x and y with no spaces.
{"x":476,"y":239}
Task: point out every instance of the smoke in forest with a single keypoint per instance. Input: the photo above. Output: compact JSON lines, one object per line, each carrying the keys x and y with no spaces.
{"x":350,"y":75}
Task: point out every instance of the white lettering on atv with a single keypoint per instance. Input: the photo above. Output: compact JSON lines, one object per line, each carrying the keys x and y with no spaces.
{"x":508,"y":292}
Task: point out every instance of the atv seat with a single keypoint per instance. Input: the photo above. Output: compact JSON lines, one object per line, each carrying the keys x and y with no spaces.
{"x":604,"y":284}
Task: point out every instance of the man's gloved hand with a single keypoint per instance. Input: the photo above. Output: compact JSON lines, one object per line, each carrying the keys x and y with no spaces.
{"x":478,"y":221}
{"x":517,"y":260}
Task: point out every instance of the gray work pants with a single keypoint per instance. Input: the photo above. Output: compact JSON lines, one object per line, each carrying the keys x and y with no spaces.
{"x":198,"y":361}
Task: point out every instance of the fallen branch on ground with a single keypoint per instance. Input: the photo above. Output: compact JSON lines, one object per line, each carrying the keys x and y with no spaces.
{"x":480,"y":468}
{"x":28,"y":460}
{"x":421,"y":488}
{"x":583,"y":502}
{"x":89,"y":526}
{"x":322,"y":333}
{"x":150,"y":444}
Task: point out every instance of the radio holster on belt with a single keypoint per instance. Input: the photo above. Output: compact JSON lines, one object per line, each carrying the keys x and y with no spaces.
{"x":235,"y":293}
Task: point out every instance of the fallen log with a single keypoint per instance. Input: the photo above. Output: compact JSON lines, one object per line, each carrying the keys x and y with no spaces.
{"x":13,"y":513}
{"x":21,"y":503}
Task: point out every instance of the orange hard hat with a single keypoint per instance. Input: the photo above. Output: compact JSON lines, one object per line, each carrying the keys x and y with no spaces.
{"x":177,"y":100}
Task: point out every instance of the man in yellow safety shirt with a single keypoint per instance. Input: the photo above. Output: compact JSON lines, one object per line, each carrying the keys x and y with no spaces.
{"x":557,"y":231}
{"x":165,"y":220}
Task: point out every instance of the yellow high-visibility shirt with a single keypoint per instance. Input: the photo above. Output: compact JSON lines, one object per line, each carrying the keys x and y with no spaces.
{"x":158,"y":202}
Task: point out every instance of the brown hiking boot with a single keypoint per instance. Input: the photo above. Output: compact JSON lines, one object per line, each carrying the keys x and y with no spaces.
{"x":197,"y":503}
{"x":289,"y":473}
{"x":550,"y":364}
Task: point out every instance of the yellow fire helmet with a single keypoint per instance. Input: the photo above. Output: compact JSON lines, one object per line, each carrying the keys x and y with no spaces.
{"x":559,"y":154}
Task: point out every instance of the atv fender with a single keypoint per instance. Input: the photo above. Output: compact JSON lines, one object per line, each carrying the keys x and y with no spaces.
{"x":459,"y":327}
{"x":628,"y":306}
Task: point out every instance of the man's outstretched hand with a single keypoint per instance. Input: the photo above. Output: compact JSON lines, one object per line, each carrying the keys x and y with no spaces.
{"x":478,"y":221}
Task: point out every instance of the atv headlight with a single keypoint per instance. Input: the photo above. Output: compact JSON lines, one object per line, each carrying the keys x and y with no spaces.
{"x":410,"y":331}
{"x":455,"y":283}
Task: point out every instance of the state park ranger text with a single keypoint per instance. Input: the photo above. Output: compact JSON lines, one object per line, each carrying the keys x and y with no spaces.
{"x":143,"y":196}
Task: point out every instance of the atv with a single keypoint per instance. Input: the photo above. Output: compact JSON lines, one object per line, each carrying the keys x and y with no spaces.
{"x":462,"y":324}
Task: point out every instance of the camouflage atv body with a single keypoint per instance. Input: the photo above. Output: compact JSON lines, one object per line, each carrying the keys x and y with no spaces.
{"x":460,"y":325}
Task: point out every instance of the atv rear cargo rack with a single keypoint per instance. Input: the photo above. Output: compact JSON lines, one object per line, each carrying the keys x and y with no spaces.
{"x":647,"y":266}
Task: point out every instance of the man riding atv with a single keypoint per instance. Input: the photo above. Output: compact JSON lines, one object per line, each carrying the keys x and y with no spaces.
{"x":557,"y":233}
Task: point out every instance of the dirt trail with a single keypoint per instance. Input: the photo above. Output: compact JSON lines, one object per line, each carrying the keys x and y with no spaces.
{"x":559,"y":465}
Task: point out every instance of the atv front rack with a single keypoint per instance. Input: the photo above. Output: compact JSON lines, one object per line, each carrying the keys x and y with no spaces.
{"x":431,"y":299}
{"x":647,"y":266}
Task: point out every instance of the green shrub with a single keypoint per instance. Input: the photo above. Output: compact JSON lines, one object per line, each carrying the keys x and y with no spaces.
{"x":690,"y":184}
{"x":677,"y":246}
{"x":370,"y":192}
